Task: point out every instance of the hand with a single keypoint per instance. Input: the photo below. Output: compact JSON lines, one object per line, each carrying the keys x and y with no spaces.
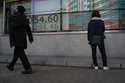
{"x":89,"y":42}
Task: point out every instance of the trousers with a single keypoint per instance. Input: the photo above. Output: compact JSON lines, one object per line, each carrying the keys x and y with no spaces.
{"x":101,"y":47}
{"x":20,"y":53}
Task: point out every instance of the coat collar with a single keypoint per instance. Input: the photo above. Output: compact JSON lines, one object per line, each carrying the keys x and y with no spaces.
{"x":96,"y":18}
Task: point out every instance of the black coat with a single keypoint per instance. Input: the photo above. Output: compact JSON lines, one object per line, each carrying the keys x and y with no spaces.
{"x":18,"y":31}
{"x":96,"y":27}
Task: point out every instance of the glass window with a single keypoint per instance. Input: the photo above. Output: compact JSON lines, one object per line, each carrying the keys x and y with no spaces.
{"x":113,"y":12}
{"x":70,"y":15}
{"x":76,"y":21}
{"x":111,"y":19}
{"x":106,"y":4}
{"x":122,"y":4}
{"x":46,"y":15}
{"x":45,"y":6}
{"x":77,"y":14}
{"x":1,"y":19}
{"x":76,"y":5}
{"x":122,"y":14}
{"x":46,"y":22}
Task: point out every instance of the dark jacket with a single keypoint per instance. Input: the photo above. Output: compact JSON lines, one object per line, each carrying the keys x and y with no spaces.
{"x":96,"y":27}
{"x":18,"y":31}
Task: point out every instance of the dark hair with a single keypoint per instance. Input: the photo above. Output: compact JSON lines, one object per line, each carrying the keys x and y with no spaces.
{"x":95,"y":13}
{"x":21,"y":9}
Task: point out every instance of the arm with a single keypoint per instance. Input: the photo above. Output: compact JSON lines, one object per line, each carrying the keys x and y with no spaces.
{"x":11,"y":32}
{"x":89,"y":34}
{"x":103,"y":26}
{"x":103,"y":29}
{"x":29,"y":33}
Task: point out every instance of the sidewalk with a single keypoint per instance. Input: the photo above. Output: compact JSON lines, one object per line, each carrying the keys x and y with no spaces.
{"x":56,"y":74}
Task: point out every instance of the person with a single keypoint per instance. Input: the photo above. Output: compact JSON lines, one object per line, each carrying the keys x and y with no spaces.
{"x":18,"y":31}
{"x":96,"y":29}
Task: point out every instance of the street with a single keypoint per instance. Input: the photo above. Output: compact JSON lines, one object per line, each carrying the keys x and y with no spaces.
{"x":60,"y":74}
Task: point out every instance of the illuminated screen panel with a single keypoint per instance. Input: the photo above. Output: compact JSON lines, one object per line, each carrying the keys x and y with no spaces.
{"x":45,"y":6}
{"x":106,"y":4}
{"x":79,"y":21}
{"x":121,"y":3}
{"x":1,"y":18}
{"x":111,"y":18}
{"x":122,"y":13}
{"x":47,"y":22}
{"x":113,"y":12}
{"x":76,"y":5}
{"x":122,"y":19}
{"x":75,"y":13}
{"x":45,"y":15}
{"x":76,"y":21}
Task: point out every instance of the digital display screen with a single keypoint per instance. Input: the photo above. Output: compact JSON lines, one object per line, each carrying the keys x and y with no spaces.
{"x":76,"y":5}
{"x":50,"y":22}
{"x":45,"y":17}
{"x":52,"y":15}
{"x":45,"y":6}
{"x":76,"y":21}
{"x":105,"y":4}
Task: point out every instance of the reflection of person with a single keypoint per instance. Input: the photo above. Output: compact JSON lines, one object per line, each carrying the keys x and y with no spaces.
{"x":19,"y":29}
{"x":96,"y":38}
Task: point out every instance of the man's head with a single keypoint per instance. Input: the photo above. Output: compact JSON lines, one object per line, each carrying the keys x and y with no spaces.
{"x":95,"y":13}
{"x":21,"y":9}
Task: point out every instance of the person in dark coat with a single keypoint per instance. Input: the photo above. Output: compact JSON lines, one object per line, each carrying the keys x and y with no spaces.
{"x":18,"y":32}
{"x":96,"y":29}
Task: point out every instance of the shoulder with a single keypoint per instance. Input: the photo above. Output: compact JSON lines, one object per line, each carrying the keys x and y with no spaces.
{"x":97,"y":19}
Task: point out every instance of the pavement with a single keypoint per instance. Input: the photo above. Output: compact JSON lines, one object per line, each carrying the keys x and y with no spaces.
{"x":61,"y":74}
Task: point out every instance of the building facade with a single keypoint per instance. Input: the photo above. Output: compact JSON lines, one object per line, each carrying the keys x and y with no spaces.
{"x":59,"y":28}
{"x":68,"y":14}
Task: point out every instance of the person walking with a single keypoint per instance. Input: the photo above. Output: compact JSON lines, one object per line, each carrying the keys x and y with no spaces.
{"x":96,"y":29}
{"x":18,"y":31}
